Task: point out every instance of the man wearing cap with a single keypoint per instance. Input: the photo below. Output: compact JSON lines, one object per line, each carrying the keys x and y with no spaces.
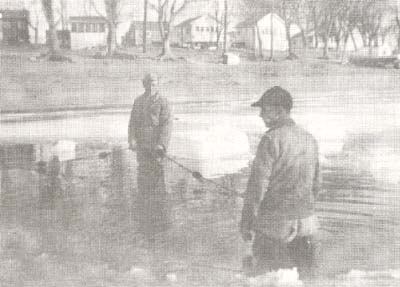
{"x":149,"y":134}
{"x":278,"y":212}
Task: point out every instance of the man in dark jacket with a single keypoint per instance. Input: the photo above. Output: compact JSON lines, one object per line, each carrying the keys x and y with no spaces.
{"x":149,"y":134}
{"x":278,"y":209}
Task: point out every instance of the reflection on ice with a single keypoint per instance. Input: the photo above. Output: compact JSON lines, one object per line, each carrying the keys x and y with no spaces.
{"x":377,"y":153}
{"x":214,"y":152}
{"x":216,"y":135}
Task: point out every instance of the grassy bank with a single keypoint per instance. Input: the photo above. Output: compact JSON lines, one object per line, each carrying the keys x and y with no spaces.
{"x":28,"y":84}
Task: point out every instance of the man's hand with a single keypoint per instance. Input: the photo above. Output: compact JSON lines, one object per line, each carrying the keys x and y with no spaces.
{"x":294,"y":229}
{"x":159,"y":151}
{"x":247,"y":236}
{"x":132,"y":146}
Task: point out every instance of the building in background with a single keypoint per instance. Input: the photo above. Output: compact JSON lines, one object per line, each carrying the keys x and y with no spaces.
{"x":88,"y":31}
{"x":134,"y":37}
{"x":255,"y":30}
{"x":14,"y":26}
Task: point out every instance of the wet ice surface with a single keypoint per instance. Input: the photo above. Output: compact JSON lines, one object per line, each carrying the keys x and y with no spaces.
{"x":358,"y":208}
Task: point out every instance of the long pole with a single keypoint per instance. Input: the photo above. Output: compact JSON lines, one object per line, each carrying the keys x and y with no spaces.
{"x":144,"y":38}
{"x":225,"y":22}
{"x":272,"y":31}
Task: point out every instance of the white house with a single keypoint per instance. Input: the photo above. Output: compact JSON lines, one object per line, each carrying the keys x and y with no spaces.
{"x":250,"y":31}
{"x":88,"y":31}
{"x":135,"y":34}
{"x":197,"y":30}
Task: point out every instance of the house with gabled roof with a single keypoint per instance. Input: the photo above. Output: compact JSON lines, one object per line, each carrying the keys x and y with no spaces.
{"x":14,"y":26}
{"x":203,"y":30}
{"x":252,"y":31}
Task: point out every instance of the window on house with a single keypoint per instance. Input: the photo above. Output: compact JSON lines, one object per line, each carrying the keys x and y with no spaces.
{"x":87,"y":28}
{"x":202,"y":29}
{"x":212,"y":29}
{"x":81,"y":27}
{"x":102,"y":28}
{"x":207,"y":29}
{"x":73,"y":27}
{"x":94,"y":27}
{"x":91,"y":28}
{"x":197,"y":28}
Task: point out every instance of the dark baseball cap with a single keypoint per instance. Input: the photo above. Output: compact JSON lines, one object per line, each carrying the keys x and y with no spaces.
{"x":150,"y":77}
{"x":275,"y":96}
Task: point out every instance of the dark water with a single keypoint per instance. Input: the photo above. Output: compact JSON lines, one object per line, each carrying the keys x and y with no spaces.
{"x":90,"y":237}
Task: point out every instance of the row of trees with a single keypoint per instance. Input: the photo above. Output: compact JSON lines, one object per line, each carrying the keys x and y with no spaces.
{"x":112,"y":12}
{"x":326,"y":19}
{"x":336,"y":19}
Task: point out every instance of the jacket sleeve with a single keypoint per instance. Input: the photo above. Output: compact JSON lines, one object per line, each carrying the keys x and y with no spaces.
{"x":261,"y":169}
{"x":316,"y":188}
{"x":166,"y":119}
{"x":133,"y":122}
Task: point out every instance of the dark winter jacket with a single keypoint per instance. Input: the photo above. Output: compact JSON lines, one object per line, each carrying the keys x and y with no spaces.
{"x":284,"y":177}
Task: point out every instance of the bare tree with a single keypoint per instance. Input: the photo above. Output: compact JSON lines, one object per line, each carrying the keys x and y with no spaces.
{"x":254,"y":9}
{"x":167,"y":10}
{"x":218,"y":15}
{"x":48,"y":10}
{"x":397,"y":21}
{"x":314,"y":16}
{"x":299,"y":15}
{"x":113,"y":9}
{"x":35,"y":8}
{"x":370,"y":15}
{"x":144,"y":37}
{"x":290,"y":11}
{"x":62,"y":11}
{"x":330,"y":11}
{"x":225,"y":23}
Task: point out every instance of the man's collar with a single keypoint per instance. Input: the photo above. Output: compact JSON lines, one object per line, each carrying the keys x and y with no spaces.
{"x":282,"y":122}
{"x":152,"y":97}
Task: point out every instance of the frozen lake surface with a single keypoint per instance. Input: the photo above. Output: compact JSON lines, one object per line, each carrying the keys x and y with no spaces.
{"x":359,"y":207}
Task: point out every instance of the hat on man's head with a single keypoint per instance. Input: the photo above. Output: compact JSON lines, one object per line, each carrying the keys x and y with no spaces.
{"x":150,"y":77}
{"x":275,"y":96}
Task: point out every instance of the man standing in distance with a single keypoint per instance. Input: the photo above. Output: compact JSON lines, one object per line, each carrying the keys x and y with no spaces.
{"x":278,"y":211}
{"x":149,"y":134}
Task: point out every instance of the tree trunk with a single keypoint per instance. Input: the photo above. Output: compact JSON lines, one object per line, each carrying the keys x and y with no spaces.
{"x":398,"y":32}
{"x":260,"y":44}
{"x":53,"y":40}
{"x":398,"y":42}
{"x":354,"y":41}
{"x":36,"y":35}
{"x":315,"y":20}
{"x":111,"y":41}
{"x":166,"y":50}
{"x":225,"y":23}
{"x":54,"y":45}
{"x":303,"y":38}
{"x":289,"y":40}
{"x":144,"y":37}
{"x":326,"y":40}
{"x":344,"y":51}
{"x":218,"y":36}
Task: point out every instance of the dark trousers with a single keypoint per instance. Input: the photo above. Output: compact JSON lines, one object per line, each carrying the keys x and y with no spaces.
{"x":272,"y":254}
{"x":151,"y":204}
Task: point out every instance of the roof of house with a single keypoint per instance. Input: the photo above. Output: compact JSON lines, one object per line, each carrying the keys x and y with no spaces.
{"x":97,"y":19}
{"x":251,"y":21}
{"x":150,"y":25}
{"x":188,"y":21}
{"x":14,"y":14}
